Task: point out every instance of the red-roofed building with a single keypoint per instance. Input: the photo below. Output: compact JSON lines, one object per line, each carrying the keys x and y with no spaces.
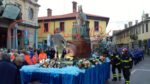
{"x":66,"y":22}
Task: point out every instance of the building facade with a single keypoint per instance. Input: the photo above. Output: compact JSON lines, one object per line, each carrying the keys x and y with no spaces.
{"x":19,"y":32}
{"x":96,"y":24}
{"x":137,"y":35}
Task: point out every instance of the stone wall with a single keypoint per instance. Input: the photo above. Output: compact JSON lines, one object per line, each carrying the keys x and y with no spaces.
{"x":25,"y":5}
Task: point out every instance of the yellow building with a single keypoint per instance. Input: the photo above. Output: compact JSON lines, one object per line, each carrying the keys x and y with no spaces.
{"x":122,"y":37}
{"x":66,"y":22}
{"x":137,"y":35}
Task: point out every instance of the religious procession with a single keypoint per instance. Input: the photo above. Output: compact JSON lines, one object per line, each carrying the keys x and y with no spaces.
{"x":48,"y":66}
{"x":72,"y":48}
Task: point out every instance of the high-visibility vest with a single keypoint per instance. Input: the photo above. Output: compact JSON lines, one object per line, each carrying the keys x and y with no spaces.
{"x":28,"y":60}
{"x":34,"y":59}
{"x":42,"y":56}
{"x":12,"y":57}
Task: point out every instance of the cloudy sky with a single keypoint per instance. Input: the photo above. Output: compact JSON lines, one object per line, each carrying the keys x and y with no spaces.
{"x":119,"y":11}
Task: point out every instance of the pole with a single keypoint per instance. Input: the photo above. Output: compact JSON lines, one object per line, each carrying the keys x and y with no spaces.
{"x":11,"y":26}
{"x":9,"y":38}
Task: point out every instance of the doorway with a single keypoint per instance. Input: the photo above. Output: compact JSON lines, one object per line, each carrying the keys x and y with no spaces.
{"x":20,"y":39}
{"x":3,"y":37}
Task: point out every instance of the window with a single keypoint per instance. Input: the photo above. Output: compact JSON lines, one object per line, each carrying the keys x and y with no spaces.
{"x":127,"y":33}
{"x":45,"y":41}
{"x":87,"y":24}
{"x":136,"y":30}
{"x":140,"y":30}
{"x":74,"y":25}
{"x":123,"y":35}
{"x":30,"y":13}
{"x":132,"y":31}
{"x":1,"y":2}
{"x":45,"y":27}
{"x":62,"y":26}
{"x":147,"y":27}
{"x":143,"y":28}
{"x":96,"y":26}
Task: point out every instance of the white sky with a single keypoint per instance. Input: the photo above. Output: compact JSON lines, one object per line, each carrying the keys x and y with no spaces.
{"x":119,"y":11}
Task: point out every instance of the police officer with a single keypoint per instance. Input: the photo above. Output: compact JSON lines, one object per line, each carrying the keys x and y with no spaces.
{"x":126,"y":63}
{"x":116,"y":64}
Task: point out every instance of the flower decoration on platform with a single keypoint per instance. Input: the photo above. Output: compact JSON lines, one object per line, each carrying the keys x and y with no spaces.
{"x":47,"y":63}
{"x":87,"y":63}
{"x":81,"y":63}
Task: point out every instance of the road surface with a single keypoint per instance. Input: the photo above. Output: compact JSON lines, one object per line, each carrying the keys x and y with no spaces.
{"x":140,"y":73}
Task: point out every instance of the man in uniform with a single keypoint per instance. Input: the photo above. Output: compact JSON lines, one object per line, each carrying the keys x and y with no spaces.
{"x":116,"y":64}
{"x":126,"y":63}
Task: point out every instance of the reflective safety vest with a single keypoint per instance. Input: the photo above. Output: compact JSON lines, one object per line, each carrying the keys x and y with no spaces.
{"x":126,"y":61}
{"x":115,"y":60}
{"x":42,"y":56}
{"x":12,"y":57}
{"x":28,"y":60}
{"x":35,"y":59}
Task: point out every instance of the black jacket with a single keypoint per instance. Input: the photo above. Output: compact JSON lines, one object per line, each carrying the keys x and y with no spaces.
{"x":115,"y":59}
{"x":18,"y":73}
{"x":8,"y":73}
{"x":48,"y":52}
{"x":126,"y":61}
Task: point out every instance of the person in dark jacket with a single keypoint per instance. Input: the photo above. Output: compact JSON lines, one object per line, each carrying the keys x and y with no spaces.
{"x":38,"y":51}
{"x":52,"y":52}
{"x":116,"y":64}
{"x":8,"y":71}
{"x":126,"y":64}
{"x":63,"y":53}
{"x":18,"y":62}
{"x":48,"y":52}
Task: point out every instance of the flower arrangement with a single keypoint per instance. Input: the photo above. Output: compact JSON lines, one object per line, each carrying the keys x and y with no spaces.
{"x":81,"y":63}
{"x":47,"y":63}
{"x":87,"y":63}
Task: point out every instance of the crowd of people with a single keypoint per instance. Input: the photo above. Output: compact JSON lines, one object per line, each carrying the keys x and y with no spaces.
{"x":11,"y":62}
{"x":122,"y":59}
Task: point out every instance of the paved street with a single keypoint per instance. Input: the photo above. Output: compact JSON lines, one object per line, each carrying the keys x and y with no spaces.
{"x":140,"y":73}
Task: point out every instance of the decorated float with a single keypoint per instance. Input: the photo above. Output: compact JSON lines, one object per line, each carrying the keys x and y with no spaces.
{"x":78,"y":67}
{"x":82,"y":71}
